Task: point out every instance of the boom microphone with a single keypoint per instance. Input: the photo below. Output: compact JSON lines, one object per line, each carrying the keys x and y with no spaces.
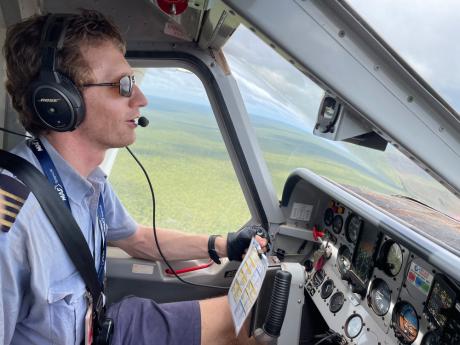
{"x":143,"y":121}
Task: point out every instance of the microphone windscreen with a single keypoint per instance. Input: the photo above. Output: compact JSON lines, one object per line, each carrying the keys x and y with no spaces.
{"x":143,"y":121}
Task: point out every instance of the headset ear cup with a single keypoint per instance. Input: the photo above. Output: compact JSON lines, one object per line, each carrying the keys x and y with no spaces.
{"x":76,"y":99}
{"x":58,"y":106}
{"x":53,"y":98}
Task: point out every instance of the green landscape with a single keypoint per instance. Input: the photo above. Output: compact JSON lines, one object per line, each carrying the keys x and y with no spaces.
{"x":196,"y":189}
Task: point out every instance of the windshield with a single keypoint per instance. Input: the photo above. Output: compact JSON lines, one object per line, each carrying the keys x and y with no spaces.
{"x":282,"y":104}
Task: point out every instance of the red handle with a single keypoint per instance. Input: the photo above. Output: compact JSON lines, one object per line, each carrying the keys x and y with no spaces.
{"x":316,"y":233}
{"x":190,"y":269}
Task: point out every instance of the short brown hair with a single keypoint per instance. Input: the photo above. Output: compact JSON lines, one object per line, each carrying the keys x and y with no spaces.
{"x":24,"y":57}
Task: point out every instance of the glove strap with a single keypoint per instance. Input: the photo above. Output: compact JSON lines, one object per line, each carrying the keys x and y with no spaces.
{"x":212,"y":249}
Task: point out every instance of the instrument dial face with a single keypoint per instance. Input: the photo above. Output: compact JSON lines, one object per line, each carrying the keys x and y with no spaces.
{"x":380,"y":297}
{"x":336,"y":302}
{"x":393,"y":260}
{"x":328,"y":217}
{"x":353,"y":326}
{"x":318,"y":278}
{"x":344,"y":259}
{"x":327,"y":288}
{"x":331,"y":238}
{"x":337,"y":224}
{"x":442,"y":299}
{"x":405,"y":322}
{"x":353,"y":227}
{"x":432,"y":338}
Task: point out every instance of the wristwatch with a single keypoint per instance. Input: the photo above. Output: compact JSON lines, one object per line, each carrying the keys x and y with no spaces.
{"x":212,"y":249}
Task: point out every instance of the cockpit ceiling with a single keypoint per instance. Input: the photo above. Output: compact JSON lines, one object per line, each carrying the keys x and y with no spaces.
{"x":139,"y":20}
{"x":150,"y":21}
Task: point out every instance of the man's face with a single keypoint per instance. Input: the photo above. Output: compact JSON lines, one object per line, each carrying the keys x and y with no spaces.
{"x":109,"y":119}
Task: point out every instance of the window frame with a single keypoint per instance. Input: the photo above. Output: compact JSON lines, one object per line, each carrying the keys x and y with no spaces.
{"x":232,"y":120}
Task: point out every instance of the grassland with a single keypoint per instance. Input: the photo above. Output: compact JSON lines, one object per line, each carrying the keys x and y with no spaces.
{"x":196,"y":189}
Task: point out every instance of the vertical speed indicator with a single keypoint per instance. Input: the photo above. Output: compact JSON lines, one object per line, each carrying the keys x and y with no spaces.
{"x":353,"y":227}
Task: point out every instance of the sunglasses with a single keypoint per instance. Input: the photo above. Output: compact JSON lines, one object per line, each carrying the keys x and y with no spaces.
{"x":125,"y":85}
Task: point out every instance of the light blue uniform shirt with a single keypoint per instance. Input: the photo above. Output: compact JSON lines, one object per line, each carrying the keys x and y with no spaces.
{"x":42,"y":295}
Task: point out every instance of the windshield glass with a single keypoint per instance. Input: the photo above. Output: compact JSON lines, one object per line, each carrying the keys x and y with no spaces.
{"x":423,"y":33}
{"x":283,"y":103}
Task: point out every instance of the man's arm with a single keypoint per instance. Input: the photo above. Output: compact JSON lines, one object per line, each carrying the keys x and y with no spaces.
{"x":175,"y":245}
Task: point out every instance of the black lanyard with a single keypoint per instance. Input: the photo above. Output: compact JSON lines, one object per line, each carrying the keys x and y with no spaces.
{"x":52,"y":174}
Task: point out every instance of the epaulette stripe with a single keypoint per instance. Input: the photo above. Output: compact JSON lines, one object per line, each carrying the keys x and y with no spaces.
{"x":10,"y":204}
{"x":7,"y":218}
{"x":9,"y":208}
{"x":11,"y":200}
{"x":12,"y":196}
{"x":8,"y":213}
{"x":5,"y":222}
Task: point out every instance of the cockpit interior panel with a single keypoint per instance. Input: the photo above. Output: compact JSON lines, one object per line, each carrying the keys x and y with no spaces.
{"x":366,"y":283}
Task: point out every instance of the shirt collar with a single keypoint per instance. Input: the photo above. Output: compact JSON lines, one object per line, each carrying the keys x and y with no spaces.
{"x":75,"y":185}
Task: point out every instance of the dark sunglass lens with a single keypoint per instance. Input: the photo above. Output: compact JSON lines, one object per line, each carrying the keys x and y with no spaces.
{"x":126,"y":86}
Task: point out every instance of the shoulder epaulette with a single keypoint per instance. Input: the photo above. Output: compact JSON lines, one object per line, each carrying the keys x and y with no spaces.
{"x":13,"y":194}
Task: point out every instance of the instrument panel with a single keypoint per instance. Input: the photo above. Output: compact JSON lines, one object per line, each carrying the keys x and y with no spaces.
{"x":367,"y":285}
{"x":406,"y":298}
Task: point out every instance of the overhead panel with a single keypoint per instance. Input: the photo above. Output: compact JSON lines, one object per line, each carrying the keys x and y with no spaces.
{"x":141,"y":20}
{"x":219,"y":24}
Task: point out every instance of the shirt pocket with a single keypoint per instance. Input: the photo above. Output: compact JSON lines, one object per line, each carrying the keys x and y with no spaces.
{"x":67,"y":306}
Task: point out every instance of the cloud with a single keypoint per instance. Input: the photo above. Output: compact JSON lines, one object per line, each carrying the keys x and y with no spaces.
{"x":269,"y":84}
{"x":174,"y":83}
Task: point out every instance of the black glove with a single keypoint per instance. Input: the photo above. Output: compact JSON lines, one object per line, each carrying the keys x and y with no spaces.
{"x":238,"y":242}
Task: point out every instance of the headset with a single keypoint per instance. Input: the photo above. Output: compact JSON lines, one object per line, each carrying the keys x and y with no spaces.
{"x":53,"y":98}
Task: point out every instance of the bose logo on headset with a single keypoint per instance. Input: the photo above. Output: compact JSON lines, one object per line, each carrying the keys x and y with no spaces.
{"x":53,"y":97}
{"x":49,"y":100}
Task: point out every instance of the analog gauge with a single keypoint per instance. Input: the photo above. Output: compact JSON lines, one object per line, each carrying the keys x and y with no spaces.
{"x":380,"y":297}
{"x":353,"y":227}
{"x":331,"y":238}
{"x":353,"y":326}
{"x":344,"y":259}
{"x":327,"y":288}
{"x":441,"y":302}
{"x":391,"y":258}
{"x":432,"y":338}
{"x":405,"y":322}
{"x":318,"y":278}
{"x":337,"y":224}
{"x":308,"y":265}
{"x":328,"y":217}
{"x":336,"y":302}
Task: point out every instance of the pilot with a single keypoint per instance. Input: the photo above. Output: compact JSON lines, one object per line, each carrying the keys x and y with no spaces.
{"x":43,"y":298}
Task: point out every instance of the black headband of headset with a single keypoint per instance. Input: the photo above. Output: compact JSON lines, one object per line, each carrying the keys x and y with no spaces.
{"x":53,"y":97}
{"x":51,"y":42}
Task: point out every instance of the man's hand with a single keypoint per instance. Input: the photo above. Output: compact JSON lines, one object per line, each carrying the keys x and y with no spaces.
{"x":238,"y":242}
